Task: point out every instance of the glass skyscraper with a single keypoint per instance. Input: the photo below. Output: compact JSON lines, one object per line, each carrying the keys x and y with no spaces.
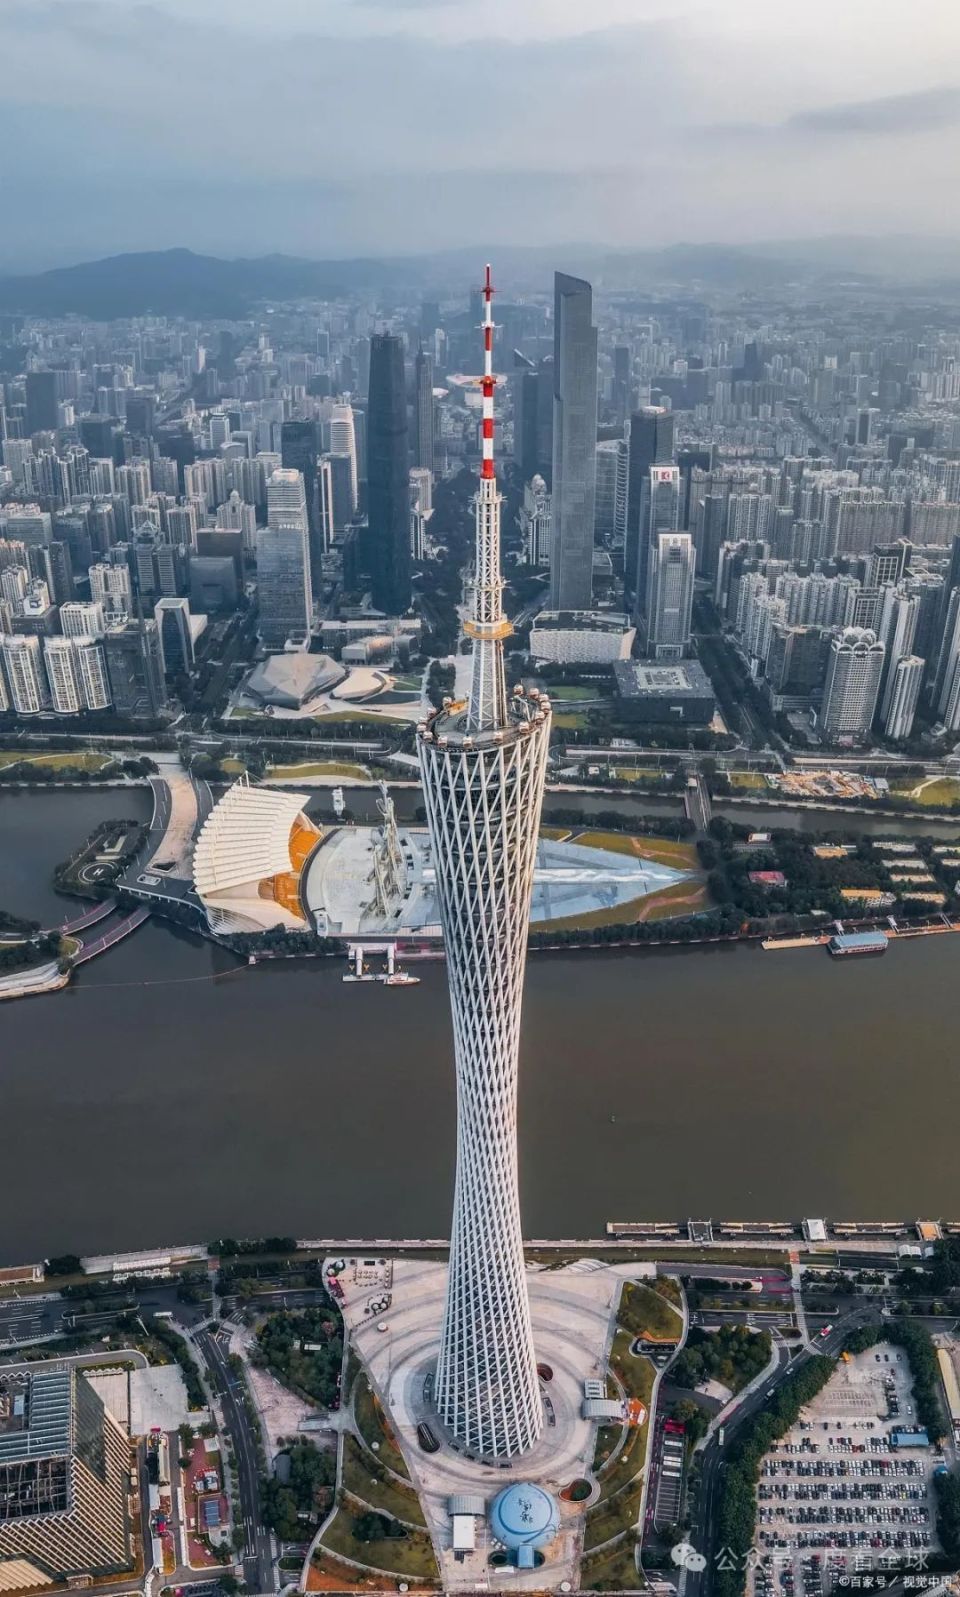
{"x":388,"y":485}
{"x":574,"y":443}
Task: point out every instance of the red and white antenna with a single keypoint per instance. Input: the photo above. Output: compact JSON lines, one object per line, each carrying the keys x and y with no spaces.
{"x":487,"y":382}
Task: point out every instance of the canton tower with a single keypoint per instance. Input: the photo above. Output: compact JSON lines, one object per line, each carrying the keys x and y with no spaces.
{"x":483,"y":764}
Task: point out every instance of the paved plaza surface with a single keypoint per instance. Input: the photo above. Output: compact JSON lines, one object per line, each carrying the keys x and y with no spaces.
{"x":569,"y":879}
{"x":573,"y":1311}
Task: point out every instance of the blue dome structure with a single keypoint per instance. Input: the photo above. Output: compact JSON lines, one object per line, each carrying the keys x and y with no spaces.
{"x":524,"y":1515}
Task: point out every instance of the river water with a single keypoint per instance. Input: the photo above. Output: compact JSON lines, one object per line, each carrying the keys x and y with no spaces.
{"x":171,"y":1094}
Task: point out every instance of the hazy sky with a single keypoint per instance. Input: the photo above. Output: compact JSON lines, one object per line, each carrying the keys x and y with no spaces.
{"x":329,"y":127}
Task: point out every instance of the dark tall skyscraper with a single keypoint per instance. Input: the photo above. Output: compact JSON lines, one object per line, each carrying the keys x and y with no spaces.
{"x":58,"y":571}
{"x":299,"y":451}
{"x":651,"y":444}
{"x":135,"y":668}
{"x":388,"y":465}
{"x":41,"y":402}
{"x":524,"y":385}
{"x":423,"y":410}
{"x":140,"y":414}
{"x":574,"y":443}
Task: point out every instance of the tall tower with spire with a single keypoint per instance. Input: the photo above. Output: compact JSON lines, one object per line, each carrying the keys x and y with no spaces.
{"x":483,"y":764}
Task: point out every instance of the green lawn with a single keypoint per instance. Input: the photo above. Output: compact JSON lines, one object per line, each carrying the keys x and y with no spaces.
{"x":676,"y":901}
{"x":636,"y":1372}
{"x":366,"y":1478}
{"x":370,"y":717}
{"x":570,"y":720}
{"x":607,"y":1438}
{"x":749,"y":779}
{"x":939,"y":794}
{"x":629,"y":773}
{"x":612,"y":1515}
{"x":663,"y":850}
{"x":644,"y":1312}
{"x":346,"y":1577}
{"x":570,"y":694}
{"x":293,"y":773}
{"x":637,"y":1377}
{"x":75,"y":759}
{"x":408,"y":1555}
{"x":669,"y":1287}
{"x":372,"y":1426}
{"x":614,"y":1570}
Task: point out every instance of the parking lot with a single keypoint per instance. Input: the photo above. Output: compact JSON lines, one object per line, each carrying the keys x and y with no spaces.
{"x":836,"y":1494}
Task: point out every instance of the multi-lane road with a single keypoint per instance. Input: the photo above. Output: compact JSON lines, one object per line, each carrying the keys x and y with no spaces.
{"x":258,"y":1553}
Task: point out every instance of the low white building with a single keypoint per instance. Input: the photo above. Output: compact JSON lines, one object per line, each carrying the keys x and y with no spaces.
{"x":581,"y":637}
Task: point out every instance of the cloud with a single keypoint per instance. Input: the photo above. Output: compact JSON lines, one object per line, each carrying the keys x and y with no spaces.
{"x":891,"y":114}
{"x":327,"y":128}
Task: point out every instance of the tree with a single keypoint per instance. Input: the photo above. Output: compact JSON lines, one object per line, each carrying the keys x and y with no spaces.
{"x":370,"y":1527}
{"x":64,"y":1264}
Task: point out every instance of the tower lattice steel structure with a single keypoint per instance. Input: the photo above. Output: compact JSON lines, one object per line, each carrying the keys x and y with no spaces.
{"x":483,"y":764}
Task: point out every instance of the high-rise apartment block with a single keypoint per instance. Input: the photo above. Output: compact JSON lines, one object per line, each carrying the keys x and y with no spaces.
{"x":26,"y":676}
{"x":900,"y":703}
{"x":59,"y":661}
{"x":91,"y":666}
{"x":110,"y":588}
{"x":853,"y":684}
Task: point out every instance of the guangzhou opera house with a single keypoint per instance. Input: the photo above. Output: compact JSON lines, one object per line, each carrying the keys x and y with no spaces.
{"x":249,"y":859}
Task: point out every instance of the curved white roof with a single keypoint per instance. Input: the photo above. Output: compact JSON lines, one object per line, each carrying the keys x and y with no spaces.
{"x":245,"y":840}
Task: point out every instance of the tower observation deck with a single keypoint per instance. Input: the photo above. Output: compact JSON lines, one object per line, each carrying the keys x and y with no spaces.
{"x":483,"y":766}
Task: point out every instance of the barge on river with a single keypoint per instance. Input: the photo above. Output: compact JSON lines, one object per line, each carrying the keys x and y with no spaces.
{"x":851,"y":945}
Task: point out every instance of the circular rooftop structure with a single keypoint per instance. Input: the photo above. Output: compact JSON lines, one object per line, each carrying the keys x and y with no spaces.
{"x":524,"y":1515}
{"x":363,"y":682}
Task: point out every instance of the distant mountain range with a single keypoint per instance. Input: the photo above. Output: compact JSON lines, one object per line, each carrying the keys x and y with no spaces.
{"x":179,"y":282}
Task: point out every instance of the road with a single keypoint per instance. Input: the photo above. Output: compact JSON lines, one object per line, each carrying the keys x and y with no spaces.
{"x":696,"y":803}
{"x":204,"y":798}
{"x":27,"y":1320}
{"x":258,"y":1553}
{"x":116,"y":934}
